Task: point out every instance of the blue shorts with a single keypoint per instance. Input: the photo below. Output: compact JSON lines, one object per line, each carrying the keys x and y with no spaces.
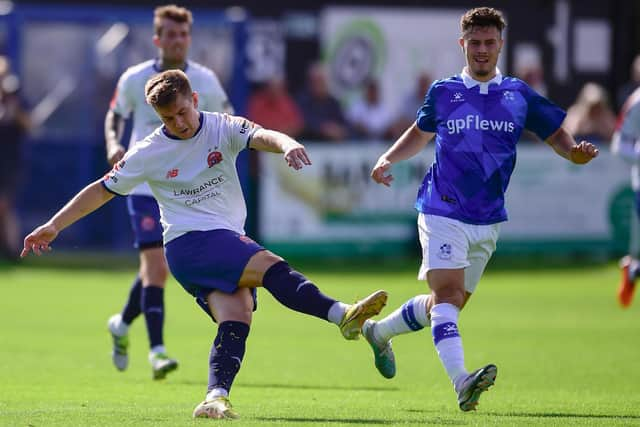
{"x":205,"y":261}
{"x":145,"y":221}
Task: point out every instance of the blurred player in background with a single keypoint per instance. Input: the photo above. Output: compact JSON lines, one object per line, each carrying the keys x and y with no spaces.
{"x":14,"y":123}
{"x":626,"y":144}
{"x":189,"y":164}
{"x":172,"y":37}
{"x":477,"y":117}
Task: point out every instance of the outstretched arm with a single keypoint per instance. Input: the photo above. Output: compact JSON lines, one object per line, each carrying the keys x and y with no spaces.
{"x":564,"y":144}
{"x":408,"y":145}
{"x":86,"y":201}
{"x":277,"y":142}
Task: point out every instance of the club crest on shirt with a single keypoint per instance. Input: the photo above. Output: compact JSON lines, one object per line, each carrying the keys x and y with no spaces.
{"x":214,"y":158}
{"x":444,"y":251}
{"x":172,"y":173}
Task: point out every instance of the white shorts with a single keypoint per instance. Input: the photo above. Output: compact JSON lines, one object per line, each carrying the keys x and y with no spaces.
{"x":451,"y":244}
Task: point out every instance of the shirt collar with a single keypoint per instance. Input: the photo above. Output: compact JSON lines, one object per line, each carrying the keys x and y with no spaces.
{"x":470,"y":82}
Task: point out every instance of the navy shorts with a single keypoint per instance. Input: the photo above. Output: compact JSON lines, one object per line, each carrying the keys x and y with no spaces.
{"x":145,"y":221}
{"x":204,"y":261}
{"x":638,"y":203}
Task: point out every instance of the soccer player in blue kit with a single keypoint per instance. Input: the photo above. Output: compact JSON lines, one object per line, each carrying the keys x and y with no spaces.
{"x":477,"y":117}
{"x":189,"y":164}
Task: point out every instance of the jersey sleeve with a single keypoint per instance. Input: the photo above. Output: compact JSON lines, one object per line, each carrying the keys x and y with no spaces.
{"x":543,"y":116}
{"x":127,"y":174}
{"x":122,"y":100}
{"x":238,"y":131}
{"x":426,"y":116}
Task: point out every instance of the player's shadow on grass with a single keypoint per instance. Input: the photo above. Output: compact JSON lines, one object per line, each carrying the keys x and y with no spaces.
{"x":298,"y":386}
{"x":562,"y":415}
{"x":317,"y":387}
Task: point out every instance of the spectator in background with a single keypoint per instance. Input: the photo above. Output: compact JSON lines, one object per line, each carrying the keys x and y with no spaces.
{"x":272,"y":107}
{"x":632,"y":84}
{"x":591,"y":116}
{"x":369,"y":117}
{"x":14,"y":123}
{"x":533,"y":75}
{"x":409,"y":109}
{"x":322,"y":113}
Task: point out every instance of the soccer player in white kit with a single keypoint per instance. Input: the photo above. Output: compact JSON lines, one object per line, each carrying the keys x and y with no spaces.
{"x":476,"y":117}
{"x":189,"y":163}
{"x":172,"y":37}
{"x":626,"y":144}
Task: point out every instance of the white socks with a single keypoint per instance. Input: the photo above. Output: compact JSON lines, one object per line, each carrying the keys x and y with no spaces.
{"x":117,"y":326}
{"x":410,"y":317}
{"x":157,"y":349}
{"x":444,"y":328}
{"x":216,"y":392}
{"x":336,"y":312}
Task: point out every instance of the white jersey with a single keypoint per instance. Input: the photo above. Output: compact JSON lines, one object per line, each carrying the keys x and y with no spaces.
{"x":194,"y":180}
{"x":129,"y":98}
{"x":626,"y":139}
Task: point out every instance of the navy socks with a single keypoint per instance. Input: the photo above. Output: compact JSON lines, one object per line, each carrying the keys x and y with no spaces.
{"x":295,"y":291}
{"x":153,"y":309}
{"x":132,"y":308}
{"x":226,"y":354}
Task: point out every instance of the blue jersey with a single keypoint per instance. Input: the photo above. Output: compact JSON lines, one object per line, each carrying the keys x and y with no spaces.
{"x":477,"y":126}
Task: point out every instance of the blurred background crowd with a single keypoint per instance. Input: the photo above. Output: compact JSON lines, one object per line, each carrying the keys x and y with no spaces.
{"x":348,"y":75}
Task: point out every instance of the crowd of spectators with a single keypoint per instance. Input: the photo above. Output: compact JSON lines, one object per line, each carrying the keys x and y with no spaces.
{"x":314,"y":114}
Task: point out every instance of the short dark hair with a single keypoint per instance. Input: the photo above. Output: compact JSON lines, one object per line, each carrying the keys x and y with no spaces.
{"x":172,"y":12}
{"x":164,"y":88}
{"x":482,"y":17}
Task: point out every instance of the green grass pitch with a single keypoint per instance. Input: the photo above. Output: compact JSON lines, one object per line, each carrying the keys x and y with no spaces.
{"x":566,"y":353}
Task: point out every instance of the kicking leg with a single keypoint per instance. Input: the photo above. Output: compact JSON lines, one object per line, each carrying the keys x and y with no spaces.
{"x":295,"y":291}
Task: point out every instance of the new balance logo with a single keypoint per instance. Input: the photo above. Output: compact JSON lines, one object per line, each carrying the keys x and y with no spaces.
{"x":508,"y":95}
{"x":475,"y":122}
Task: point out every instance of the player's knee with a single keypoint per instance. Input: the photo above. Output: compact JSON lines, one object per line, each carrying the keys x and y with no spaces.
{"x":450,"y":295}
{"x":154,"y":274}
{"x":267,"y":259}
